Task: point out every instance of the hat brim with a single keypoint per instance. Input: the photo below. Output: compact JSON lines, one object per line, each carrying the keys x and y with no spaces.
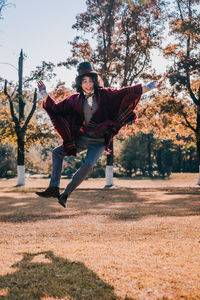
{"x":87,"y":73}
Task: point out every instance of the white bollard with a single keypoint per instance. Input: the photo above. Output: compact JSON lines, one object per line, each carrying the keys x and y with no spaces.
{"x":20,"y":175}
{"x":109,"y":176}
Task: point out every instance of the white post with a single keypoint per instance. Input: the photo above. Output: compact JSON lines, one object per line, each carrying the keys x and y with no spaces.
{"x":109,"y":176}
{"x":21,"y":175}
{"x":199,"y":177}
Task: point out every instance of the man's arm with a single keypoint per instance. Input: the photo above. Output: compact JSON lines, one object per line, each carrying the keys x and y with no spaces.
{"x":49,"y":103}
{"x":150,"y":86}
{"x":42,"y":88}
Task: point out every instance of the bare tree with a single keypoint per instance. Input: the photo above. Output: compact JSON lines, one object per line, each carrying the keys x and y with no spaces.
{"x":17,"y":103}
{"x":3,"y":5}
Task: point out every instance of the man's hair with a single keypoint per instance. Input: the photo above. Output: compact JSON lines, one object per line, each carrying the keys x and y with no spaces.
{"x":79,"y":79}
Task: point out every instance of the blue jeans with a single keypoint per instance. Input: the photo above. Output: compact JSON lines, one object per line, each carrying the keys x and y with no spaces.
{"x":94,"y":147}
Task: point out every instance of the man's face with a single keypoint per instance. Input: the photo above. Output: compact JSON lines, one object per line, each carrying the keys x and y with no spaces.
{"x":87,"y":85}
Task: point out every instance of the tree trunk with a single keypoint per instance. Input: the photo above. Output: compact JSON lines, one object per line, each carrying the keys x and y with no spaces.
{"x":198,"y":155}
{"x":20,"y":160}
{"x":20,"y":133}
{"x":109,"y":167}
{"x":179,"y":159}
{"x":198,"y":139}
{"x":130,"y":173}
{"x":149,"y":155}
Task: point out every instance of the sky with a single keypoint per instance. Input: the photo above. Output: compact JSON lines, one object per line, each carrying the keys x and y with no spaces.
{"x":43,"y":29}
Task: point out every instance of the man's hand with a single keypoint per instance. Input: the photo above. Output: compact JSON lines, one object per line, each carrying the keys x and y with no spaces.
{"x":151,"y":85}
{"x":42,"y":88}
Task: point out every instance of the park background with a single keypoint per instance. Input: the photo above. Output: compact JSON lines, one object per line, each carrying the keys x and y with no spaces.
{"x":138,"y":238}
{"x":127,"y":42}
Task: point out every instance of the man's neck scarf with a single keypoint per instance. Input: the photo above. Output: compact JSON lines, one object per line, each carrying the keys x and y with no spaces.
{"x":89,"y":98}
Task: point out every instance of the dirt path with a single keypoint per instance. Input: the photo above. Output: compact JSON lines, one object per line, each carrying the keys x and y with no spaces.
{"x":128,"y":242}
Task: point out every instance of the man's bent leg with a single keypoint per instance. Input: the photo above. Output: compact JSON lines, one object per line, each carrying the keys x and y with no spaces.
{"x":93,"y":154}
{"x":77,"y":178}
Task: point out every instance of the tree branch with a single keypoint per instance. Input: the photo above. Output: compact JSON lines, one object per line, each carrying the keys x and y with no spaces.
{"x":188,"y":73}
{"x":15,"y":120}
{"x":179,"y":7}
{"x":188,"y":123}
{"x":31,"y":112}
{"x":195,"y":100}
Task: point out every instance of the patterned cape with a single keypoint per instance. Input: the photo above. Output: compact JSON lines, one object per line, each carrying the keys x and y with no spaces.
{"x":115,"y":109}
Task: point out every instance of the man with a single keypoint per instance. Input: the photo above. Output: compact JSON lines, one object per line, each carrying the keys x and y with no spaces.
{"x":87,"y":120}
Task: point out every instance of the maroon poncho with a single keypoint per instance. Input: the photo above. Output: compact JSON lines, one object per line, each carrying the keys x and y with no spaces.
{"x":115,"y":109}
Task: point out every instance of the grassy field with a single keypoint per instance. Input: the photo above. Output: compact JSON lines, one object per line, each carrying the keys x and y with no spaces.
{"x":137,"y":240}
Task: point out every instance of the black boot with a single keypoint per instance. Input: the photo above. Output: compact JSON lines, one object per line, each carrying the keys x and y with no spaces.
{"x":51,"y":191}
{"x":62,"y":199}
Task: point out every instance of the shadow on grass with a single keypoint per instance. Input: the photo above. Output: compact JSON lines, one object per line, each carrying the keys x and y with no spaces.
{"x":132,"y":204}
{"x":27,"y":208}
{"x":120,"y":204}
{"x":58,"y":278}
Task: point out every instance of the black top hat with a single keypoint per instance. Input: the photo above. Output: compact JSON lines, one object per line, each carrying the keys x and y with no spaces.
{"x":85,"y":68}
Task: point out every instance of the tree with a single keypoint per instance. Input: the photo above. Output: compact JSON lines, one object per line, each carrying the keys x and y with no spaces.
{"x":185,"y":53}
{"x":129,"y":159}
{"x":159,"y":119}
{"x":148,"y":155}
{"x":7,"y":162}
{"x":185,"y":157}
{"x":164,"y":158}
{"x":3,"y":4}
{"x":17,"y":102}
{"x":121,"y":36}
